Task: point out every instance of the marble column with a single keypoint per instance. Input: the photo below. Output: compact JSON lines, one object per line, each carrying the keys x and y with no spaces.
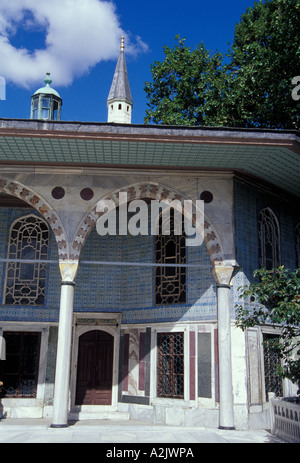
{"x":63,"y":354}
{"x":223,"y":276}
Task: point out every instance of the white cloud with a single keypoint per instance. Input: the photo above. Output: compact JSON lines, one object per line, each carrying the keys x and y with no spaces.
{"x":79,"y":34}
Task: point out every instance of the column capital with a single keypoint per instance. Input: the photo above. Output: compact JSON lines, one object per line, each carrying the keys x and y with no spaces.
{"x":68,"y":270}
{"x":222,"y":275}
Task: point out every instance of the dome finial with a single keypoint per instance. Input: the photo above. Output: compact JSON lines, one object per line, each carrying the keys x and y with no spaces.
{"x":47,"y":80}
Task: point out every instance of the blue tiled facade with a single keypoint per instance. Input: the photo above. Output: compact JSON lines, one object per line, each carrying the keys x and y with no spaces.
{"x":113,"y":288}
{"x":248,"y":202}
{"x":130,"y":289}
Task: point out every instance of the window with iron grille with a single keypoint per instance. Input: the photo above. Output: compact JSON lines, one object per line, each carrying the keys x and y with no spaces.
{"x":170,"y":282}
{"x":25,"y":282}
{"x":19,"y":372}
{"x":273,"y":383}
{"x":297,"y":245}
{"x":170,"y":365}
{"x":269,"y":241}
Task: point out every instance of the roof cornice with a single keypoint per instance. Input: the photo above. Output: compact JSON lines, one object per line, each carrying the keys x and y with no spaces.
{"x":160,"y":134}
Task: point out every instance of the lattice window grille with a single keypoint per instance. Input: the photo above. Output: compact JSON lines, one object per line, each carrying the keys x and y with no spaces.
{"x":170,"y":365}
{"x":269,"y":239}
{"x":170,"y":282}
{"x":25,"y":282}
{"x":273,"y":383}
{"x":297,"y":245}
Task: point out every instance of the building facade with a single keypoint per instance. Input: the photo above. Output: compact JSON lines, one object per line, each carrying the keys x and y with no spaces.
{"x":139,"y":327}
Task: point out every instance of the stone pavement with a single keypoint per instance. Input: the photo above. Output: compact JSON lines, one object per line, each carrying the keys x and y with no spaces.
{"x":130,"y":432}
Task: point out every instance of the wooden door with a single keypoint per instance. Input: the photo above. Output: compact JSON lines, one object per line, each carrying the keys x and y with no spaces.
{"x":95,"y":369}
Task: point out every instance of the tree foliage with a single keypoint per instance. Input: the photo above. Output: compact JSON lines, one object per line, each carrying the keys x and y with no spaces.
{"x":275,"y":300}
{"x":264,"y":58}
{"x":188,"y":87}
{"x":250,"y":88}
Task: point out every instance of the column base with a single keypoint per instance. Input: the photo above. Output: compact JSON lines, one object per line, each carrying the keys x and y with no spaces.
{"x":57,"y":426}
{"x":227,"y":428}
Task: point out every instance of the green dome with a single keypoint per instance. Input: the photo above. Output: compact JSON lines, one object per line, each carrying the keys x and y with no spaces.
{"x":47,"y":89}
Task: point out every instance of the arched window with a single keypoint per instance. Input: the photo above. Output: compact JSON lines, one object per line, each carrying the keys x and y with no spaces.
{"x":269,"y":240}
{"x":25,"y":281}
{"x":170,"y":282}
{"x":297,"y":245}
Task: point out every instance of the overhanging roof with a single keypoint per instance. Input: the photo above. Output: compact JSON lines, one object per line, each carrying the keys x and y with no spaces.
{"x":270,"y":155}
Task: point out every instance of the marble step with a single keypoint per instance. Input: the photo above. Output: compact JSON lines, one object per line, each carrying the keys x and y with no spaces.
{"x":97,"y":414}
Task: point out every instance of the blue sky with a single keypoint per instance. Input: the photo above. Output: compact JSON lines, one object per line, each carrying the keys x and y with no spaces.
{"x":81,"y":50}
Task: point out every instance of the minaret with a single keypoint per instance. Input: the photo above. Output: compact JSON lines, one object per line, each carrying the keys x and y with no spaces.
{"x":119,"y":102}
{"x":46,"y":103}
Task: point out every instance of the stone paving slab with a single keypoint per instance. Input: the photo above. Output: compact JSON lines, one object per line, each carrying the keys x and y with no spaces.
{"x":130,"y":432}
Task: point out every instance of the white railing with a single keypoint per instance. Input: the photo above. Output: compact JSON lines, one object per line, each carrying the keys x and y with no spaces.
{"x":285,"y":418}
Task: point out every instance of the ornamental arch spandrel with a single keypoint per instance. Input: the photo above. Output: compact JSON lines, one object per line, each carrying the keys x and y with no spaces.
{"x":145,"y":191}
{"x":35,"y":200}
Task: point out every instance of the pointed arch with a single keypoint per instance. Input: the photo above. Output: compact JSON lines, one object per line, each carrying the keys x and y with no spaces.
{"x":145,"y":191}
{"x":269,"y":239}
{"x":33,"y":199}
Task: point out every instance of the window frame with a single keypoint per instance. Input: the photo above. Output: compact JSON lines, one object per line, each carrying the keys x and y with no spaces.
{"x":162,"y":277}
{"x":262,"y":333}
{"x":267,"y":358}
{"x":20,"y":374}
{"x":169,"y":328}
{"x":267,"y":221}
{"x":172,"y":365}
{"x":13,"y":269}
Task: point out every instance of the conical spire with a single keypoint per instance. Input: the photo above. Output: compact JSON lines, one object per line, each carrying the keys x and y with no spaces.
{"x":119,"y":100}
{"x":120,"y":89}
